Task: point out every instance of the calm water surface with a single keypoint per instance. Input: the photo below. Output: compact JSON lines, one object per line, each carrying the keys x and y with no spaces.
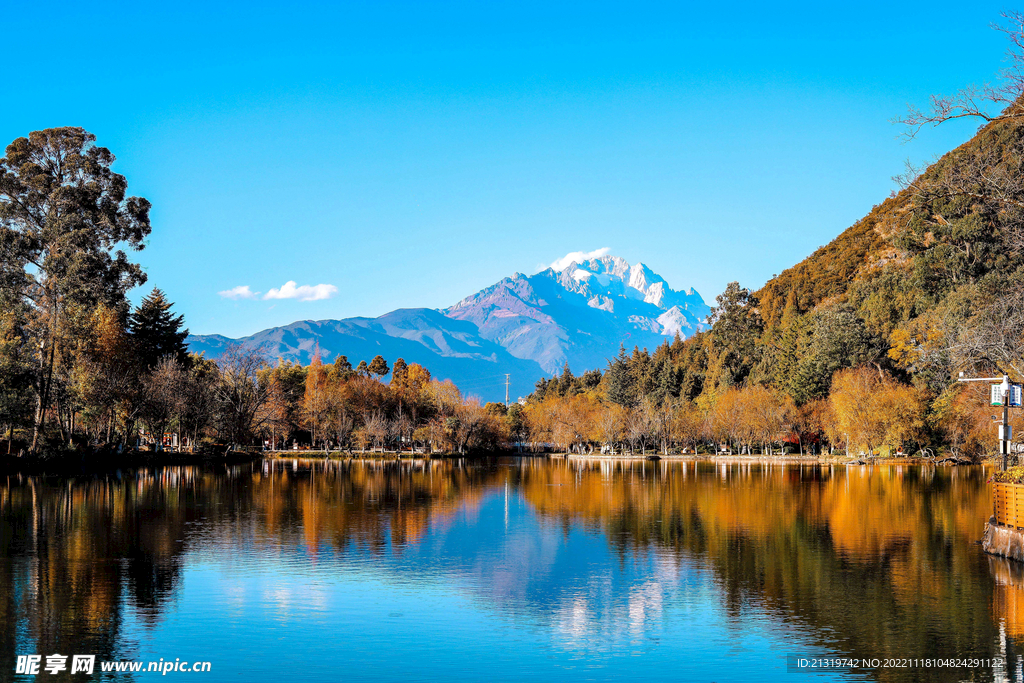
{"x":511,"y":570}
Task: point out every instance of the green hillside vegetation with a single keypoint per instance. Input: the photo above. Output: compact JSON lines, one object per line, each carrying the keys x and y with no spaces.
{"x":897,"y":285}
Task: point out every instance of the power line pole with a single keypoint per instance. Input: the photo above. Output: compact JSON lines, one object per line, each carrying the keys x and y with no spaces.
{"x":506,"y":392}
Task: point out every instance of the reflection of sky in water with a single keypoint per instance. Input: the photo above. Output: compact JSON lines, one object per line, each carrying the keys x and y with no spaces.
{"x":474,"y":599}
{"x":570,"y":571}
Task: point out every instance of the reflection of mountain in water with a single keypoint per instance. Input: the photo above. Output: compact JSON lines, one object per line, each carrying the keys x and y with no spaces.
{"x":868,"y":562}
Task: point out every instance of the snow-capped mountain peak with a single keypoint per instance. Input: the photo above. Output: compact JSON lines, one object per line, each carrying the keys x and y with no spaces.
{"x":604,"y":279}
{"x":581,"y":312}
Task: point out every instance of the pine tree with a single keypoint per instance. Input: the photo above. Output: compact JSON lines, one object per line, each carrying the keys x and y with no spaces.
{"x":541,"y":388}
{"x":737,"y":327}
{"x":787,"y":356}
{"x":662,"y":353}
{"x":677,"y":347}
{"x":668,"y":381}
{"x":590,"y":380}
{"x":619,"y":386}
{"x":640,"y":374}
{"x":567,"y":385}
{"x":156,"y":332}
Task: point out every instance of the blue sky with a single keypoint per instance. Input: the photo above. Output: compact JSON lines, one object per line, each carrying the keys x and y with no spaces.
{"x":410,"y":154}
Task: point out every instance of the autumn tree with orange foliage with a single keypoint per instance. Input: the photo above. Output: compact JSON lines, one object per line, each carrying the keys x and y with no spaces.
{"x":964,"y":417}
{"x":871,"y":409}
{"x":107,"y":377}
{"x":316,"y":399}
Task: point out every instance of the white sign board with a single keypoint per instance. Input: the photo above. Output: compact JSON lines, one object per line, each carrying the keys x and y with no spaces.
{"x":1012,"y":393}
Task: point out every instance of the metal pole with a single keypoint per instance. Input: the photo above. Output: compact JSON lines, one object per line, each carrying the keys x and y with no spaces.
{"x":1004,"y":442}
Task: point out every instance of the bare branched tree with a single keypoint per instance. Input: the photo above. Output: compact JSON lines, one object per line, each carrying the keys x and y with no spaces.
{"x":992,"y":340}
{"x":989,"y":102}
{"x":376,"y":428}
{"x":163,"y":393}
{"x":640,"y":426}
{"x":242,"y":398}
{"x":988,"y":174}
{"x":609,"y":424}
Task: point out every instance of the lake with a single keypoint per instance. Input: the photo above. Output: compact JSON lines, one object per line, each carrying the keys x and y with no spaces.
{"x":508,"y":570}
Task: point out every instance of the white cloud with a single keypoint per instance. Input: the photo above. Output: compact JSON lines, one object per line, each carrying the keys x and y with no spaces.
{"x":239,"y":292}
{"x":578,"y":257}
{"x":290,"y":290}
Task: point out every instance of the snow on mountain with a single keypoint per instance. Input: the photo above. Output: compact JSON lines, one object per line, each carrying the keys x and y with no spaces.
{"x":582,"y":313}
{"x":602,"y":279}
{"x":527,"y":326}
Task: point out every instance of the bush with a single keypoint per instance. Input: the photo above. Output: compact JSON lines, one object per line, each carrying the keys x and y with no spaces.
{"x":1013,"y":475}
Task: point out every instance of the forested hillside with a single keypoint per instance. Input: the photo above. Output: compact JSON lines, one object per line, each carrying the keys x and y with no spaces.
{"x":901,"y":287}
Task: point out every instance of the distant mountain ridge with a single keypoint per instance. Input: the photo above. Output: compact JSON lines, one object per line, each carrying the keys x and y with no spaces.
{"x":524,"y":326}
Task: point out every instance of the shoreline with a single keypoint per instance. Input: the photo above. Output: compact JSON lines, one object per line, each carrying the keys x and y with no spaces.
{"x":598,"y":457}
{"x":71,"y":464}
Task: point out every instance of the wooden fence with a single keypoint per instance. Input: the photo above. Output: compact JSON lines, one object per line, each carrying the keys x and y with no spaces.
{"x":1009,"y":504}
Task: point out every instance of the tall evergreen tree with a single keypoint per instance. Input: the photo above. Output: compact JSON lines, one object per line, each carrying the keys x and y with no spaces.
{"x":737,"y":327}
{"x":342,"y":368}
{"x":668,"y":381}
{"x":620,"y":388}
{"x":589,"y":380}
{"x":399,"y":373}
{"x":156,"y":332}
{"x":640,"y":374}
{"x":567,"y":385}
{"x":542,"y":387}
{"x":677,"y":347}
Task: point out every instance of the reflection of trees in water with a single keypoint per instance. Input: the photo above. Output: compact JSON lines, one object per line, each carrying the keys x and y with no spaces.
{"x":76,"y":551}
{"x":877,"y":562}
{"x":79,"y":551}
{"x":371,"y":506}
{"x":1008,"y":594}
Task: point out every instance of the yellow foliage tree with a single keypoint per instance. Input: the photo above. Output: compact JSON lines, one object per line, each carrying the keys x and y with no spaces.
{"x":871,"y":409}
{"x":315,"y":401}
